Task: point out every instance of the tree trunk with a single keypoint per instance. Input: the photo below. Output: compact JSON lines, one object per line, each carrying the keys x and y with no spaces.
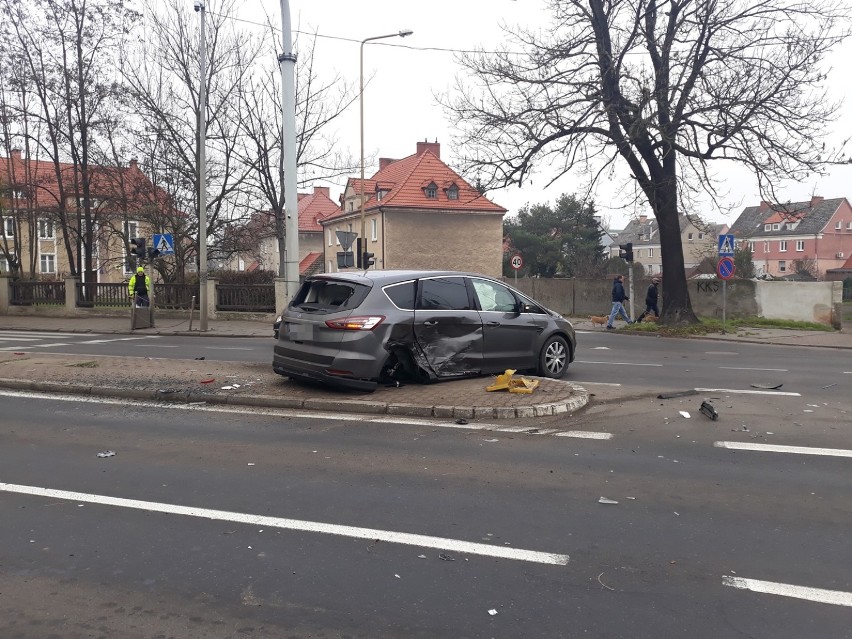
{"x":677,"y":307}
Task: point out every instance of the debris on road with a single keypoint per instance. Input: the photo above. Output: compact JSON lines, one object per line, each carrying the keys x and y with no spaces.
{"x":506,"y":381}
{"x":603,"y":584}
{"x":673,"y":394}
{"x":208,"y":381}
{"x":446,"y":557}
{"x":708,"y":410}
{"x":492,"y":612}
{"x":684,"y":414}
{"x":199,"y":358}
{"x":461,"y":421}
{"x":606,"y":500}
{"x":107,"y":453}
{"x":769,"y":386}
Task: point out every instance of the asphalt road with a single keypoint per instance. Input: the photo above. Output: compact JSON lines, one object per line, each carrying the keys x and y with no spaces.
{"x":632,"y":361}
{"x":705,"y":540}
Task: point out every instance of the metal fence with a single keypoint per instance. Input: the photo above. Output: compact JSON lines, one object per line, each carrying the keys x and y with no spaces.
{"x":37,"y":293}
{"x":257,"y":298}
{"x":175,"y":296}
{"x":94,"y":295}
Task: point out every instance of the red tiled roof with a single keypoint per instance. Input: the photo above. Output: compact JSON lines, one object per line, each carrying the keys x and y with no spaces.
{"x":308,"y":262}
{"x":314,"y":207}
{"x":406,"y":179}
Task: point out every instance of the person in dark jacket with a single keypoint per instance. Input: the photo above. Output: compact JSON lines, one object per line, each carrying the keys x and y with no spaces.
{"x":618,"y":299}
{"x":651,"y":298}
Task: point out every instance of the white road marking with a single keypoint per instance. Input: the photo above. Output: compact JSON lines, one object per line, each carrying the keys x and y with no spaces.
{"x":25,"y":346}
{"x":354,"y":532}
{"x":45,"y":335}
{"x":833,"y":597}
{"x":744,"y":368}
{"x":156,"y":346}
{"x":20,"y":339}
{"x":735,"y":391}
{"x":776,"y":448}
{"x":115,"y":339}
{"x":584,"y":434}
{"x":619,"y":363}
{"x":596,"y":383}
{"x":227,"y":348}
{"x":599,"y":348}
{"x":285,"y":412}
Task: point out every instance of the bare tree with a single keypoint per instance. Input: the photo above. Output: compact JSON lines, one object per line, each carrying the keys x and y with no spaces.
{"x":163,"y":77}
{"x":318,"y":104}
{"x":665,"y":86}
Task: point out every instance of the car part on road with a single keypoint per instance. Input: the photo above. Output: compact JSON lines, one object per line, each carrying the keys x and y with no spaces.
{"x":708,"y":410}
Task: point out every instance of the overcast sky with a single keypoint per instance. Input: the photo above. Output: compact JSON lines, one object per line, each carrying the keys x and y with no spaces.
{"x":400,"y":107}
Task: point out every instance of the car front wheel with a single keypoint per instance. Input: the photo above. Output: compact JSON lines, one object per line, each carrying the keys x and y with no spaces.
{"x":553,"y":360}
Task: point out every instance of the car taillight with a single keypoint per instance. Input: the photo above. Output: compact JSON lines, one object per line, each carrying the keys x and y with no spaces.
{"x":364,"y":323}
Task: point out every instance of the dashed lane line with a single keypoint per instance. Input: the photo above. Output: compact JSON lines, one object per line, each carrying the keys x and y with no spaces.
{"x":737,"y":391}
{"x":746,"y":368}
{"x":833,"y":597}
{"x":777,"y":448}
{"x":620,"y":363}
{"x":353,"y":532}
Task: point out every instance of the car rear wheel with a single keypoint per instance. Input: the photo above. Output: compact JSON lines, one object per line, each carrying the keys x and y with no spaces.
{"x":553,"y":360}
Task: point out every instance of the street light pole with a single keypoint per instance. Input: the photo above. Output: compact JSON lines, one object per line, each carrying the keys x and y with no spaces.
{"x":287,"y":63}
{"x":202,"y":176}
{"x":399,"y":34}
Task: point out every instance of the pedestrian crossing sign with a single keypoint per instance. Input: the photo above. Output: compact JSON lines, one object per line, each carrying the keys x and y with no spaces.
{"x":726,"y":246}
{"x":164,"y":244}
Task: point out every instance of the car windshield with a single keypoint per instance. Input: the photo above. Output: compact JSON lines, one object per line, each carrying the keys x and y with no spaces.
{"x":329,"y":295}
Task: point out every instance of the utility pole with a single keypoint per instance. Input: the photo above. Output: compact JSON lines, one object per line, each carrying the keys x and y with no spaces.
{"x":202,"y":177}
{"x":287,"y":63}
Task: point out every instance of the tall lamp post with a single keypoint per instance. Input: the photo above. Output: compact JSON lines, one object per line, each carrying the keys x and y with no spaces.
{"x":202,"y":175}
{"x":399,"y":34}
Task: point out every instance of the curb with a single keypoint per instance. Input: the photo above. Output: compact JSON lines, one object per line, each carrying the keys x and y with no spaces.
{"x":578,"y":399}
{"x":112,"y":331}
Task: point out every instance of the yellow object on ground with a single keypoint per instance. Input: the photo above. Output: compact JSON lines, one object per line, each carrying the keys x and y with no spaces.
{"x":505,"y":381}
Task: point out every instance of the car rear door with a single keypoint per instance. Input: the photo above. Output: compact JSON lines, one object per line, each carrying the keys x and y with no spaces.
{"x":510,"y":335}
{"x":447,"y":326}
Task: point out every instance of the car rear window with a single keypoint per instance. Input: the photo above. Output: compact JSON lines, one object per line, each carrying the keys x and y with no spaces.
{"x":329,"y":295}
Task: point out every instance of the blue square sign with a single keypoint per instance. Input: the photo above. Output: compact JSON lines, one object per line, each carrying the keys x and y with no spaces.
{"x":726,"y":245}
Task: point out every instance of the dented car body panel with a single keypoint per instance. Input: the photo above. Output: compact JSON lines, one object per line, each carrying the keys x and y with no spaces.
{"x":359,"y":329}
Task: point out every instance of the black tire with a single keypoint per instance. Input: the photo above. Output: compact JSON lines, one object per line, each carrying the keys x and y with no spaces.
{"x":554,"y":357}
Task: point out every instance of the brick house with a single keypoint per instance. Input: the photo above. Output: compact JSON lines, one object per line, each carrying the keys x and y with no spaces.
{"x":818,"y":231}
{"x":420,"y":214}
{"x":262,"y":251}
{"x":31,"y":232}
{"x":698,"y":239}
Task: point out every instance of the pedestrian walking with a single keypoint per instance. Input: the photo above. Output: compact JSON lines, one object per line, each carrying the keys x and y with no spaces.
{"x":651,"y":298}
{"x":138,"y":288}
{"x":618,"y":299}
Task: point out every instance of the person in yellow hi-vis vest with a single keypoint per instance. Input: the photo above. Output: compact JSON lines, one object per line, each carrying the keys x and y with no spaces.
{"x":138,"y":288}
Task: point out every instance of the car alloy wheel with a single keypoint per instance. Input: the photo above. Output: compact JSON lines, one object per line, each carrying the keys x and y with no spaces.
{"x":554,"y":357}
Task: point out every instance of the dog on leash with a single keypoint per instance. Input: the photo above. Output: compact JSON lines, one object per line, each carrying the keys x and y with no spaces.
{"x":598,"y":319}
{"x":651,"y":318}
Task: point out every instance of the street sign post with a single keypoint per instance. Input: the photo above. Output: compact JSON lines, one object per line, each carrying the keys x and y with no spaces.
{"x":725,"y":269}
{"x":516,"y":262}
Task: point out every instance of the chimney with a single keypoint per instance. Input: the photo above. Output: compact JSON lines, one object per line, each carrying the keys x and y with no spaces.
{"x":385,"y":162}
{"x":764,"y":205}
{"x":322,"y":190}
{"x":15,"y":154}
{"x":424,"y":146}
{"x":816,"y":199}
{"x":643,"y":219}
{"x":133,"y":163}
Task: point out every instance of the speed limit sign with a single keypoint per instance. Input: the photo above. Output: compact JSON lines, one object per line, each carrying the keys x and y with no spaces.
{"x":516,"y":262}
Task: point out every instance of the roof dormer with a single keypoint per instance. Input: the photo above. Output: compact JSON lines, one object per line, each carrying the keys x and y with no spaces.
{"x":431,"y":190}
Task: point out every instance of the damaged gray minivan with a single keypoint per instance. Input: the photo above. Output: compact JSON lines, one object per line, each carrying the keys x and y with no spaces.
{"x":361,"y":329}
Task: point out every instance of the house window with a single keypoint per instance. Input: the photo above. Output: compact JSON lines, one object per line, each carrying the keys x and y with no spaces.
{"x":374,"y":229}
{"x":351,"y":206}
{"x":330,"y":267}
{"x":838,"y":226}
{"x":650,"y":252}
{"x":701,"y":236}
{"x":776,"y":227}
{"x":329,"y":231}
{"x":782,"y":246}
{"x":782,"y":266}
{"x":849,"y":226}
{"x":241,"y":265}
{"x":800,"y":245}
{"x":453,"y":192}
{"x":751,"y":247}
{"x":8,"y":227}
{"x":766,"y":247}
{"x":767,"y":227}
{"x":48,"y":263}
{"x":132,"y":229}
{"x":380,"y":195}
{"x":431,"y":191}
{"x":45,"y":229}
{"x":689,"y":236}
{"x":337,"y":239}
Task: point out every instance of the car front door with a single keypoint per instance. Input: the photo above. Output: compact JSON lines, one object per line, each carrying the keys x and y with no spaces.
{"x":510,"y":335}
{"x":447,"y":327}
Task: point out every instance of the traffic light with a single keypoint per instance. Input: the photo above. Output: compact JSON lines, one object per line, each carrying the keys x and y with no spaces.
{"x":138,"y":247}
{"x":368,"y":260}
{"x":153,"y":253}
{"x":626,"y":251}
{"x":359,"y":253}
